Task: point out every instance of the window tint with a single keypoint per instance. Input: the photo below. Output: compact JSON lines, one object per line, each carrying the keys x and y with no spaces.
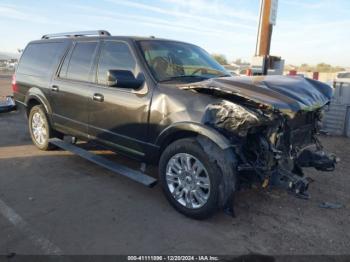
{"x":176,"y":61}
{"x":114,"y":55}
{"x":39,"y":59}
{"x":344,"y":75}
{"x":80,"y":62}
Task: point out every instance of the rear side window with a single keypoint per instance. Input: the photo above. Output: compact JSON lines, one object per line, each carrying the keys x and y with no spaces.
{"x":78,"y":66}
{"x":81,"y":61}
{"x":114,"y":56}
{"x":39,"y":59}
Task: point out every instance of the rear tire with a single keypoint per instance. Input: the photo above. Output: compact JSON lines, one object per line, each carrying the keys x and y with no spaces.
{"x":39,"y":128}
{"x":193,"y":194}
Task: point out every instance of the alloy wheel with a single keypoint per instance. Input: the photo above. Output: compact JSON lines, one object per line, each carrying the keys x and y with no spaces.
{"x":39,"y":128}
{"x":188,"y":180}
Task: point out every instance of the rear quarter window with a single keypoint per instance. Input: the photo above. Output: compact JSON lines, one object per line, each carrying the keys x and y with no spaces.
{"x":40,"y":59}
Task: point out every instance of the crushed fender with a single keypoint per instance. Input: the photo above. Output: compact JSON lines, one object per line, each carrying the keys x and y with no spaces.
{"x":231,"y":117}
{"x":227,"y":162}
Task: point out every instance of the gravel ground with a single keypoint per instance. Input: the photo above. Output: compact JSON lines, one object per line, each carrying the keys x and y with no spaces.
{"x":80,"y":208}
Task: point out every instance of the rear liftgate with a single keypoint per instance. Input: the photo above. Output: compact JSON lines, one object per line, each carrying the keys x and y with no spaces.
{"x":103,"y":162}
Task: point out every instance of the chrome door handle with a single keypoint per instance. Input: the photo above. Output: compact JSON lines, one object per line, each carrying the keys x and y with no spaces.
{"x":54,"y":88}
{"x":98,"y":98}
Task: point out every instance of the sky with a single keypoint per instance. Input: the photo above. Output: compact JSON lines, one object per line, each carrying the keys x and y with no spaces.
{"x":307,"y":31}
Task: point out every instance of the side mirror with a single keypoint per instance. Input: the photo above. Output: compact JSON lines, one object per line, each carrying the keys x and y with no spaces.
{"x":123,"y":79}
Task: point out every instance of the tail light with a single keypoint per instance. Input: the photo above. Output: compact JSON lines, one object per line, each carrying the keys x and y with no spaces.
{"x":14,"y":84}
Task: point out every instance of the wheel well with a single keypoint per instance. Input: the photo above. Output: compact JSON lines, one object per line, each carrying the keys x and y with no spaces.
{"x":176,"y":136}
{"x":31,"y":103}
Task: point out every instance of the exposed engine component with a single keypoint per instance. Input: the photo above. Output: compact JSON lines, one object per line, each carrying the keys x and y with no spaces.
{"x":273,"y":145}
{"x":319,"y":159}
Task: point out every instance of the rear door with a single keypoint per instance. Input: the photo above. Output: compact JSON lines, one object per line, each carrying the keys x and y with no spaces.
{"x":71,"y":89}
{"x":120,"y":119}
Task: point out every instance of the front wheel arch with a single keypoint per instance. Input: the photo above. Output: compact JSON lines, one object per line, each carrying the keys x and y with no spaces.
{"x":188,"y":129}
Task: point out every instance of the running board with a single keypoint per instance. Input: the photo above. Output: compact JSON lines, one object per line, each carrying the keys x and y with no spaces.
{"x":110,"y":165}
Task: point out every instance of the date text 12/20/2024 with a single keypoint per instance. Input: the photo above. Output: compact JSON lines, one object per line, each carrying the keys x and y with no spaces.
{"x":173,"y":258}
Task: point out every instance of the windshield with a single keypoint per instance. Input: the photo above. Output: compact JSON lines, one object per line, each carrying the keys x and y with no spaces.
{"x":174,"y":61}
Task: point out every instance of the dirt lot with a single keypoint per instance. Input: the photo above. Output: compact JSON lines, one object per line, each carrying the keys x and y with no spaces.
{"x":55,"y":202}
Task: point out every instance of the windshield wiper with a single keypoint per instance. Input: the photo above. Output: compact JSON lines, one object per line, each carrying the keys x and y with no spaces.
{"x":223,"y":75}
{"x":183,"y":76}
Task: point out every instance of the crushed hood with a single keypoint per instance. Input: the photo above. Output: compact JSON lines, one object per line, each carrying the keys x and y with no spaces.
{"x":284,"y":93}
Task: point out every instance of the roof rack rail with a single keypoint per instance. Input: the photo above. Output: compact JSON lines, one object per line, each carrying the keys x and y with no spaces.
{"x":78,"y":34}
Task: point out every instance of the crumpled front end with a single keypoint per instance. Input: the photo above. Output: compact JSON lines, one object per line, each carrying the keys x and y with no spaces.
{"x":232,"y":118}
{"x":272,"y":145}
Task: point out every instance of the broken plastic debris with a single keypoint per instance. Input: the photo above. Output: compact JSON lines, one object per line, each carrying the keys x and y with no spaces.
{"x":7,"y":104}
{"x":330,"y":205}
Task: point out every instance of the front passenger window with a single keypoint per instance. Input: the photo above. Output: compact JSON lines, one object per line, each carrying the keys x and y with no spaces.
{"x":114,"y":56}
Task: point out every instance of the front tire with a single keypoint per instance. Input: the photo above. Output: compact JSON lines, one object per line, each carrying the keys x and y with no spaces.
{"x":39,"y":128}
{"x":189,"y":179}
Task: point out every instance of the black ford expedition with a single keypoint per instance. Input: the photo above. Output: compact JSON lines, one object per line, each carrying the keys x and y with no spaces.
{"x":169,"y":103}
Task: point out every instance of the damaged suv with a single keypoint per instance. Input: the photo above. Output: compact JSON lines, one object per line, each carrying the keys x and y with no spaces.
{"x":170,"y":103}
